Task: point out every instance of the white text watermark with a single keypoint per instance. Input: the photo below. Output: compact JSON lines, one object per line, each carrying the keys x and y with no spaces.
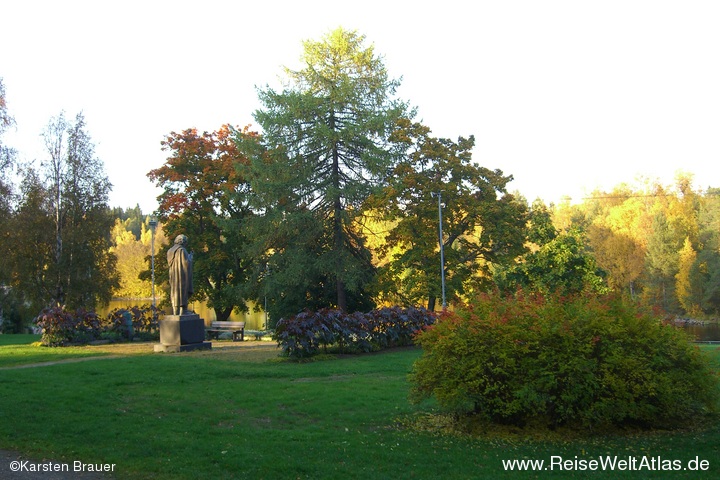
{"x":608,"y":463}
{"x":76,"y":466}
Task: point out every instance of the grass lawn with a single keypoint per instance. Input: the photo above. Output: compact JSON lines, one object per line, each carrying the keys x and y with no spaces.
{"x":17,"y":350}
{"x":233,"y":413}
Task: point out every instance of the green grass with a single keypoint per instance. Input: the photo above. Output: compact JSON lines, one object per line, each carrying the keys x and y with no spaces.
{"x":18,"y":350}
{"x":241,"y":414}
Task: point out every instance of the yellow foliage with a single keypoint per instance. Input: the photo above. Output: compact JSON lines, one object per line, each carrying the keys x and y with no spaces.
{"x":683,"y":285}
{"x":131,"y":256}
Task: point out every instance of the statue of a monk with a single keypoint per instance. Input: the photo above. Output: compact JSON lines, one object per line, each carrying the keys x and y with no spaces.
{"x":180,"y":265}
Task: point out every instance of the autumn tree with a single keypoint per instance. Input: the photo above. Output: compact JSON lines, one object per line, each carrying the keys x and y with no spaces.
{"x":566,"y":215}
{"x":132,"y":219}
{"x":619,"y":255}
{"x":617,"y":234}
{"x":657,"y":242}
{"x":132,"y":256}
{"x":327,"y":134}
{"x":662,"y":259}
{"x":687,"y":290}
{"x":202,"y":191}
{"x":62,"y":234}
{"x":482,"y":223}
{"x":704,"y":275}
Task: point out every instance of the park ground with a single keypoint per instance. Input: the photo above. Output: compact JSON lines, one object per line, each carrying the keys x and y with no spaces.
{"x":240,"y":411}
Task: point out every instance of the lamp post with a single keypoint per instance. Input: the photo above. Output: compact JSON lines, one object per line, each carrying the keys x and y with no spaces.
{"x":442,"y":247}
{"x":267,"y":273}
{"x":153,"y":224}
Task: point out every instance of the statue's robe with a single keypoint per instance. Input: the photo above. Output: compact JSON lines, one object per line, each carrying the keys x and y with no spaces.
{"x":180,"y":270}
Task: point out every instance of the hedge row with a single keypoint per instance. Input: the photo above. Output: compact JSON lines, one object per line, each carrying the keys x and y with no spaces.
{"x":309,"y":333}
{"x":61,"y":327}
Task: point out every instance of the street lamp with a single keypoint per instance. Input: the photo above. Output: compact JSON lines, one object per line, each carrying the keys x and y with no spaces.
{"x":442,"y":247}
{"x":153,"y":224}
{"x":267,"y":273}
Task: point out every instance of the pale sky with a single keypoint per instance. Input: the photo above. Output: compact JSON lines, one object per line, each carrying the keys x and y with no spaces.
{"x":566,"y":96}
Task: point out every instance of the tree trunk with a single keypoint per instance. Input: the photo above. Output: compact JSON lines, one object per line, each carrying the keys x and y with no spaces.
{"x":222,"y":314}
{"x":338,"y":240}
{"x":338,"y":246}
{"x":431,"y":303}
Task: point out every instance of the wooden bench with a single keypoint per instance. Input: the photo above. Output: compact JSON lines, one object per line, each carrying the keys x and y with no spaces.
{"x":236,"y":328}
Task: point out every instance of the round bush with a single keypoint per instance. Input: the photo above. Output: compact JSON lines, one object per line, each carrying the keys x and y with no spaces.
{"x":62,"y":327}
{"x":586,"y":361}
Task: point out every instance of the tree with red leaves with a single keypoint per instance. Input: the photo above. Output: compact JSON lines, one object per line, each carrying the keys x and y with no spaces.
{"x":202,"y":197}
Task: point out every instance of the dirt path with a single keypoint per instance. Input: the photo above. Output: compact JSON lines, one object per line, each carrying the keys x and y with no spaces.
{"x":114,"y":351}
{"x":58,"y":362}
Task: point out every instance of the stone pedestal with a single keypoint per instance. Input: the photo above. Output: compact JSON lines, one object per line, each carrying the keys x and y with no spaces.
{"x":182,"y":333}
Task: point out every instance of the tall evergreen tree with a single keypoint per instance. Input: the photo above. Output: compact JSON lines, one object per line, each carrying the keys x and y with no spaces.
{"x":327,"y":137}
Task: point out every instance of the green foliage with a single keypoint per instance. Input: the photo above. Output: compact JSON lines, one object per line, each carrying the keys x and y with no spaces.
{"x":143,"y":319}
{"x":663,"y":258}
{"x":13,"y":313}
{"x":295,"y":263}
{"x":197,"y":179}
{"x":307,"y":333}
{"x":540,"y":227}
{"x":325,"y":149}
{"x":482,"y":223}
{"x":583,"y":361}
{"x":60,"y":229}
{"x":132,"y":219}
{"x":564,"y":266}
{"x":705,"y":272}
{"x":7,"y":162}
